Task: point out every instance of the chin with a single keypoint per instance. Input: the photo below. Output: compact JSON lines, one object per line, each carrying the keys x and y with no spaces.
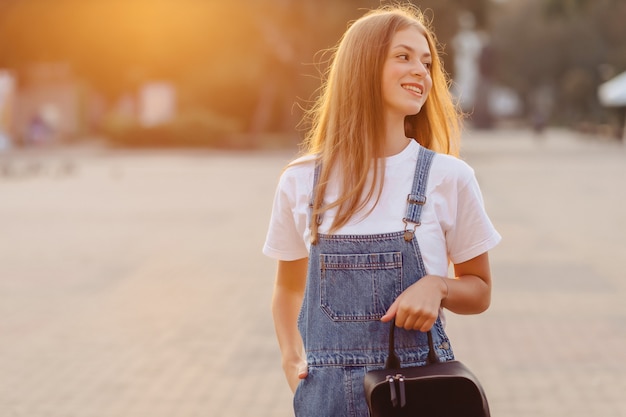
{"x":415,"y":111}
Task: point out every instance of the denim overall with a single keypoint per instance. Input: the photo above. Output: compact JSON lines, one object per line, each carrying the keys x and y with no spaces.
{"x":352,"y":281}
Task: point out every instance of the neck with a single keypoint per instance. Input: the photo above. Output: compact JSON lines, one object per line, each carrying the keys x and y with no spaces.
{"x":395,"y":138}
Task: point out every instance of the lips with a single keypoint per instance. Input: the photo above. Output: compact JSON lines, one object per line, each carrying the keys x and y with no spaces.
{"x":416,"y":88}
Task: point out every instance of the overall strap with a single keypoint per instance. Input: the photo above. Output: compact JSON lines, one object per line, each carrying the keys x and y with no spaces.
{"x":417,"y":198}
{"x":316,"y":176}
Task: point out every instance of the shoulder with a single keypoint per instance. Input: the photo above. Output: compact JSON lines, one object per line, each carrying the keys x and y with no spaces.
{"x":301,"y":164}
{"x":297,"y":175}
{"x":450,"y":169}
{"x":300,"y":167}
{"x":452,"y":164}
{"x":445,"y":169}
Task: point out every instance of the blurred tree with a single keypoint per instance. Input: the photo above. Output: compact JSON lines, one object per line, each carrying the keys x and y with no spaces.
{"x":251,"y":60}
{"x":561,"y":44}
{"x":564,"y":7}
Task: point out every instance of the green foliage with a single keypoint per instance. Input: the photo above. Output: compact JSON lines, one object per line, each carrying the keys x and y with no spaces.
{"x":192,"y":128}
{"x":571,"y":46}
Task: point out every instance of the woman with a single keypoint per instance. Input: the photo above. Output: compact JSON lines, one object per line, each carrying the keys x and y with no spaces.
{"x":353,"y":251}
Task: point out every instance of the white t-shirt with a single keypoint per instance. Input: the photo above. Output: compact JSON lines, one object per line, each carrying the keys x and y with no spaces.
{"x":454,"y":224}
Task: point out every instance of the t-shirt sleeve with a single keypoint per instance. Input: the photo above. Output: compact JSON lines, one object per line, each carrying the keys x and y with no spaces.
{"x":284,"y":240}
{"x":472,"y":233}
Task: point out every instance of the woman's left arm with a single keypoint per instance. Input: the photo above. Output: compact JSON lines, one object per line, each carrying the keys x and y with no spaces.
{"x":470,"y":291}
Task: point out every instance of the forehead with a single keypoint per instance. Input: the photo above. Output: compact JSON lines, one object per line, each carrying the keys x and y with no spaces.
{"x":412,"y":37}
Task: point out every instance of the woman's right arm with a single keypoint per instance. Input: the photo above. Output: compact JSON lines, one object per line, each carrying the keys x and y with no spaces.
{"x":286,"y":304}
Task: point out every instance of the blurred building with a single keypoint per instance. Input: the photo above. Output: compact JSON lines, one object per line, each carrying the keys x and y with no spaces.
{"x":157,"y":103}
{"x":7,"y":103}
{"x":47,"y":104}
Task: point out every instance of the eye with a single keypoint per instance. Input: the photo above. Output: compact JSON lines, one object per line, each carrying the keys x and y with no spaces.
{"x":404,"y":57}
{"x":428,"y":65}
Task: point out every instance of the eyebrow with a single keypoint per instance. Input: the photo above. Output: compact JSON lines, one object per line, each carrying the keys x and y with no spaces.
{"x":410,"y":49}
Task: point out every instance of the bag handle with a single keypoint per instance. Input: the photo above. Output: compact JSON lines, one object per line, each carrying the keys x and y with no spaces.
{"x":393,"y":362}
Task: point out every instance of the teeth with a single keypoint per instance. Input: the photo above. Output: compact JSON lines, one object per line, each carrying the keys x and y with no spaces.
{"x":413,"y":88}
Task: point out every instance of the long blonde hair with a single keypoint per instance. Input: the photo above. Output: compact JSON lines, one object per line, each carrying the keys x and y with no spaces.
{"x":346,"y":121}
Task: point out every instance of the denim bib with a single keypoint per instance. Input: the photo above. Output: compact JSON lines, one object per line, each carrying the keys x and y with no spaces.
{"x":352,"y":281}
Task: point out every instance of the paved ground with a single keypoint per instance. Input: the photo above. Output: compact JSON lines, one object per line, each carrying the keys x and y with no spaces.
{"x":132,"y":283}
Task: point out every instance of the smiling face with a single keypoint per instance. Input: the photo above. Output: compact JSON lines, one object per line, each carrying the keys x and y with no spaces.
{"x":406,"y":79}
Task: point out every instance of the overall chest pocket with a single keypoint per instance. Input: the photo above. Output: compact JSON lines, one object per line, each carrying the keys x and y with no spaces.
{"x":359,"y":287}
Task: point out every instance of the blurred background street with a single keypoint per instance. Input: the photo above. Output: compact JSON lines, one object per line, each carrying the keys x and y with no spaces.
{"x":238,"y":74}
{"x":134,"y":285}
{"x":140,"y":145}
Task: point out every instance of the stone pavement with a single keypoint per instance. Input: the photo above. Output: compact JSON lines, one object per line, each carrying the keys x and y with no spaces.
{"x":132,"y":283}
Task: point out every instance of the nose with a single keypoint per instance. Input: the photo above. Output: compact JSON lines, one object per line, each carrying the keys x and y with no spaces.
{"x":419,"y":69}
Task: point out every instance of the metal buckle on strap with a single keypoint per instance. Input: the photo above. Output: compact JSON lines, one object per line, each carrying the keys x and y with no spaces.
{"x":418,"y":199}
{"x":408,"y":233}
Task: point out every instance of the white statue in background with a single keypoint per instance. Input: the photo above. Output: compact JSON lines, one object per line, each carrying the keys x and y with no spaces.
{"x":468,"y":45}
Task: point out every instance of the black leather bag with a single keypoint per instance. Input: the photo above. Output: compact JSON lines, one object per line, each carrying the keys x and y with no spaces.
{"x":438,"y":389}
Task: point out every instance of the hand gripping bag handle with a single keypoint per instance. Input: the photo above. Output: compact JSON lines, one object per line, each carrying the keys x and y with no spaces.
{"x":393,"y":362}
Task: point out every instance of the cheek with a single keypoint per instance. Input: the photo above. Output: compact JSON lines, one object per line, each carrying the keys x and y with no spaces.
{"x":428,"y":84}
{"x":388,"y":83}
